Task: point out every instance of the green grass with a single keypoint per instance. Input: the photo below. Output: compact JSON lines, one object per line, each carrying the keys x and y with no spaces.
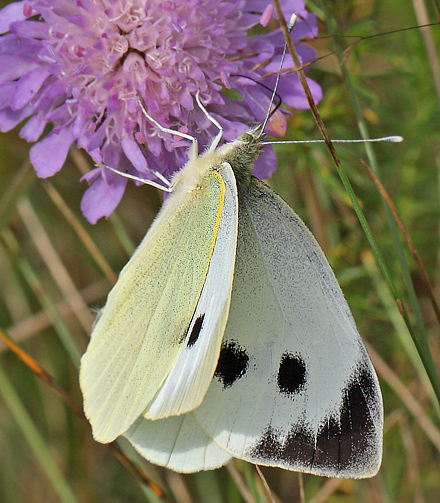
{"x":54,"y":266}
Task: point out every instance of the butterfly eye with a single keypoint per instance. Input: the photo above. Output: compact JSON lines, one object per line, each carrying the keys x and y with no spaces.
{"x":245,"y":137}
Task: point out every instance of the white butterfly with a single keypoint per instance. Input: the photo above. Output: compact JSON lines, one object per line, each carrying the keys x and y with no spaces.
{"x":227,"y":335}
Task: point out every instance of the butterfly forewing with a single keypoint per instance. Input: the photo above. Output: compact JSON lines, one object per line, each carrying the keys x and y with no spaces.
{"x":138,"y":335}
{"x":294,"y":386}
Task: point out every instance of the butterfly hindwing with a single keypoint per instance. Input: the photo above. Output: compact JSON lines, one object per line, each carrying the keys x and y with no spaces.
{"x":143,"y":326}
{"x":178,"y":443}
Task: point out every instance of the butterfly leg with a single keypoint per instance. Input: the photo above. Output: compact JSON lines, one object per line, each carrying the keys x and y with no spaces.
{"x":193,"y":153}
{"x":219,"y":135}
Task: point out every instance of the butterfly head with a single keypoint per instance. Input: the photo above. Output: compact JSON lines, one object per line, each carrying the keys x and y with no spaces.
{"x":243,"y":152}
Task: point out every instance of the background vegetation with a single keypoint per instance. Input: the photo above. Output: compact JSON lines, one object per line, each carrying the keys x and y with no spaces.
{"x":54,"y":265}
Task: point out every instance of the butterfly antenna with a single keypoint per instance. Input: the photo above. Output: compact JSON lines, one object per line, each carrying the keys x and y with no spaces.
{"x":392,"y":139}
{"x":274,"y":92}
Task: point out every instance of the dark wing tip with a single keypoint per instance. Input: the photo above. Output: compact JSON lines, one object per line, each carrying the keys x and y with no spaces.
{"x":348,"y":444}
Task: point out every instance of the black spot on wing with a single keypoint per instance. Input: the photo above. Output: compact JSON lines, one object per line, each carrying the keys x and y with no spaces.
{"x":347,"y":444}
{"x":232,"y":363}
{"x":195,"y":332}
{"x":291,"y":374}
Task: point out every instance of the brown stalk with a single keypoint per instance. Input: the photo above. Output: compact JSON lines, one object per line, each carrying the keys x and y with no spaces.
{"x":305,"y":85}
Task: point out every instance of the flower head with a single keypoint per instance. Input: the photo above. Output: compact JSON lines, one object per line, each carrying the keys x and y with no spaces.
{"x":82,"y":65}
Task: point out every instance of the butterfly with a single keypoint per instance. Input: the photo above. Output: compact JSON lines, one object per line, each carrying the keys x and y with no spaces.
{"x":227,"y":336}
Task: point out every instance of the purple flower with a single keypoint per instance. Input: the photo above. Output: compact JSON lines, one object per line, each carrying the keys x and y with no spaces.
{"x":81,"y":65}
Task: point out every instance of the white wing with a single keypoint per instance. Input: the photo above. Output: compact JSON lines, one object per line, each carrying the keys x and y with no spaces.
{"x":295,"y":387}
{"x":178,"y":443}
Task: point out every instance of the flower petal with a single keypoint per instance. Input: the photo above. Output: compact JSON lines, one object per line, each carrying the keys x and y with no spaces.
{"x":267,"y":15}
{"x":266,"y":164}
{"x":6,"y":91}
{"x":133,"y":153}
{"x":9,"y":14}
{"x":9,"y":118}
{"x":27,"y":87}
{"x":12,"y":68}
{"x":293,"y":93}
{"x":33,"y":128}
{"x":49,"y":154}
{"x":100,"y":199}
{"x":33,"y":29}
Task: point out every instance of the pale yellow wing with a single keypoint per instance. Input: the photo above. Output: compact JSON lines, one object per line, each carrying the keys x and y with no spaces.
{"x":140,"y":331}
{"x":188,"y":381}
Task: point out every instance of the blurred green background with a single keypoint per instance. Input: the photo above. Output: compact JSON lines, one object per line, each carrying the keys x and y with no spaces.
{"x":51,"y":274}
